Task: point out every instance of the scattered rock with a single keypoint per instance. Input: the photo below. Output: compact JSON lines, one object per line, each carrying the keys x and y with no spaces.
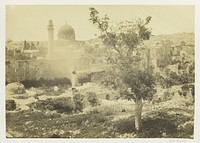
{"x":55,"y":88}
{"x":15,"y":88}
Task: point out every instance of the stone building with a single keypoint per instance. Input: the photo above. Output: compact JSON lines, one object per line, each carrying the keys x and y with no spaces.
{"x":64,"y":55}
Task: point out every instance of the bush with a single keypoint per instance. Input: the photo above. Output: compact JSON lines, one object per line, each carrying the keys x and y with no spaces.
{"x":61,"y":105}
{"x":175,"y":79}
{"x":168,"y":82}
{"x":92,"y":98}
{"x":78,"y":101}
{"x":185,"y":87}
{"x":10,"y":105}
{"x":186,"y":78}
{"x":167,"y":96}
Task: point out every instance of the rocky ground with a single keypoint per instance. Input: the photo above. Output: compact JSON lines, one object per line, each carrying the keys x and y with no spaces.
{"x":38,"y":114}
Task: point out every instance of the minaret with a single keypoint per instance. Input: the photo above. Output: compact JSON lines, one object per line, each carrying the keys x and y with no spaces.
{"x":50,"y":28}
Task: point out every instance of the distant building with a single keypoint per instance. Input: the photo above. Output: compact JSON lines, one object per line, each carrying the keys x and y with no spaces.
{"x":63,"y":56}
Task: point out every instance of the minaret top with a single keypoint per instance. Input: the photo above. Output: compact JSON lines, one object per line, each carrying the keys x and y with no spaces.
{"x":50,"y":22}
{"x":50,"y":25}
{"x":66,"y":22}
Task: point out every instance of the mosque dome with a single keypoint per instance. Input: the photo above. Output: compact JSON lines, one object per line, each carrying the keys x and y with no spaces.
{"x":66,"y":32}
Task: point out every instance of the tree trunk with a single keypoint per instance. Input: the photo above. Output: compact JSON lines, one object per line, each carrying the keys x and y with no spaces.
{"x":138,"y":113}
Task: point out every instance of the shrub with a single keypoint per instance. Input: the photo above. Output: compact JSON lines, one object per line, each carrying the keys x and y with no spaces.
{"x":168,"y":82}
{"x":167,"y":96}
{"x":92,"y":98}
{"x":10,"y":105}
{"x":185,"y":87}
{"x":61,"y":105}
{"x":78,"y":101}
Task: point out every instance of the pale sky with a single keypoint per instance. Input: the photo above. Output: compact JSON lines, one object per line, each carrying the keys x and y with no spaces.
{"x":30,"y":22}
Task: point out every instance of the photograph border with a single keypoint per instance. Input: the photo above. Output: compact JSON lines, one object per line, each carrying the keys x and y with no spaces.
{"x":3,"y":4}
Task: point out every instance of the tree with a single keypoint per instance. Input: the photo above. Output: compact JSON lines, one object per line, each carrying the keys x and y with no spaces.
{"x":126,"y":67}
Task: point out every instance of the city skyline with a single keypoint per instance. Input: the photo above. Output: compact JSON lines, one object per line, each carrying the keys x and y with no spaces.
{"x":30,"y":22}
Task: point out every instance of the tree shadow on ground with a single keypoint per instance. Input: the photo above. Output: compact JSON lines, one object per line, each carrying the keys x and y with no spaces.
{"x":160,"y":125}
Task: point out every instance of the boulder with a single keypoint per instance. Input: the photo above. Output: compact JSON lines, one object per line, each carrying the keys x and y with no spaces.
{"x":15,"y":88}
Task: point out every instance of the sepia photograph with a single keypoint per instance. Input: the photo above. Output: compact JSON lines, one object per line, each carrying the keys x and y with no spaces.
{"x":100,"y":71}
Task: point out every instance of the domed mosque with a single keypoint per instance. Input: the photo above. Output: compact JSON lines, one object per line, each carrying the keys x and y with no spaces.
{"x":66,"y":45}
{"x":66,"y":32}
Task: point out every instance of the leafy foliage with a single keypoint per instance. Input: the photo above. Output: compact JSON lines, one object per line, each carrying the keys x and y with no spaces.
{"x":126,"y":69}
{"x":125,"y":37}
